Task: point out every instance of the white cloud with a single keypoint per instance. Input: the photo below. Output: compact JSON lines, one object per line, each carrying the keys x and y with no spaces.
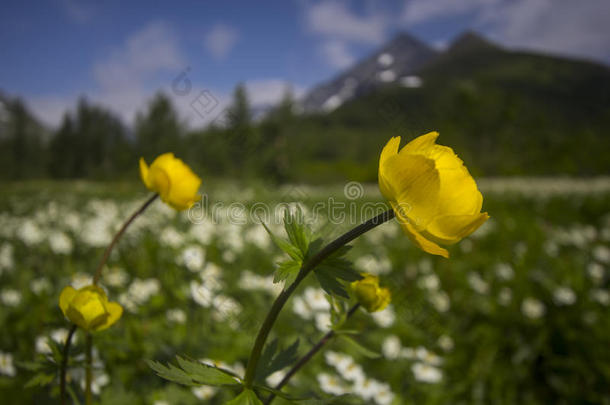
{"x":335,"y":20}
{"x":265,"y":92}
{"x":220,"y":40}
{"x":568,"y":27}
{"x":145,"y":53}
{"x":51,"y":109}
{"x":417,"y":11}
{"x":565,"y":27}
{"x":336,"y":54}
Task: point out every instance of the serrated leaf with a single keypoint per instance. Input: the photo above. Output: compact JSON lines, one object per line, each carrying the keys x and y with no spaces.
{"x":284,"y":245}
{"x":247,"y":397}
{"x":171,"y":373}
{"x":287,"y":270}
{"x":359,"y":347}
{"x":330,"y":284}
{"x":271,"y":360}
{"x":205,"y":374}
{"x":296,"y":229}
{"x":40,"y":380}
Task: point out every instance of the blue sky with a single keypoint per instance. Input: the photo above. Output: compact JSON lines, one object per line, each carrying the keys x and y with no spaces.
{"x":120,"y":53}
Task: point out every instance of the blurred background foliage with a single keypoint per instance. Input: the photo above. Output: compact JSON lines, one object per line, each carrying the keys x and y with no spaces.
{"x":504,"y":112}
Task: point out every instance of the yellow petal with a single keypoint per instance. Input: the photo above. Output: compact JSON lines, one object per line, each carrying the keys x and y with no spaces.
{"x":67,"y":294}
{"x":450,"y":229}
{"x":417,"y":238}
{"x":458,"y":194}
{"x":390,"y":149}
{"x":420,"y":145}
{"x":144,"y":174}
{"x":414,"y":185}
{"x":115,"y":311}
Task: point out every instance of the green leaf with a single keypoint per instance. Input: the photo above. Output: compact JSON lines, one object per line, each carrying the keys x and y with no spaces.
{"x":286,"y":246}
{"x":359,"y":348}
{"x":287,"y":270}
{"x":247,"y":397}
{"x":40,"y":379}
{"x":271,"y":360}
{"x":330,"y":284}
{"x":205,"y":374}
{"x":171,"y":373}
{"x":298,"y":232}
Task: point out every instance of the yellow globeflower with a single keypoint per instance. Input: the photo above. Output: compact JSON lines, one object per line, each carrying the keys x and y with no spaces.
{"x":368,"y":293}
{"x":435,"y":198}
{"x":89,"y":308}
{"x":172,"y":179}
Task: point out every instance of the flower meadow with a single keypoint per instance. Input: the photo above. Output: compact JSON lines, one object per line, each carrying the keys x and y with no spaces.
{"x":518,"y":313}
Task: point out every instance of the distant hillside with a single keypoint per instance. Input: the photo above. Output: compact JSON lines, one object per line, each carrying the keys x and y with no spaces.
{"x":505,"y":112}
{"x":392,"y":62}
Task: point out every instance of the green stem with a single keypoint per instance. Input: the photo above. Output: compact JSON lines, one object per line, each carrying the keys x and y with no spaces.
{"x":306,"y":268}
{"x":64,"y":366}
{"x":88,"y":368}
{"x":98,"y":271}
{"x":303,"y":360}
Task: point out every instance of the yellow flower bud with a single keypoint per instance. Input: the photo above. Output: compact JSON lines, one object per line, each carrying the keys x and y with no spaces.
{"x":368,"y":293}
{"x":175,"y":182}
{"x":435,"y":198}
{"x":89,"y":308}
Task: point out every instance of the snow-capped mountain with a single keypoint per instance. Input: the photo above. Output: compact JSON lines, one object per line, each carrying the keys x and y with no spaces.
{"x":394,"y":62}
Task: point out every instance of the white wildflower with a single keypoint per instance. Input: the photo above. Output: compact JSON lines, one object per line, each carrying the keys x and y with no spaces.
{"x":477,"y":283}
{"x":10,"y":297}
{"x":426,"y":373}
{"x":532,"y":308}
{"x":323,"y":321}
{"x":564,"y":296}
{"x":600,"y":296}
{"x":445,"y":342}
{"x":601,"y":253}
{"x":331,"y":384}
{"x":193,"y":257}
{"x":204,"y":392}
{"x":176,"y":315}
{"x":60,"y":243}
{"x":30,"y":233}
{"x":40,"y":285}
{"x":440,"y":300}
{"x":6,"y":364}
{"x":384,"y":318}
{"x":504,"y":271}
{"x":429,"y":282}
{"x":596,"y":272}
{"x":391,"y":347}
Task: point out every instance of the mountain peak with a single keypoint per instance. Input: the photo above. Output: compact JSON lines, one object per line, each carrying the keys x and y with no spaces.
{"x":398,"y":58}
{"x":470,"y":40}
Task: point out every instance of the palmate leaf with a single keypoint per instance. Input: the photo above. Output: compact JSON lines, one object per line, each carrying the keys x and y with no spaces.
{"x":247,"y":397}
{"x":288,"y":271}
{"x":285,"y":245}
{"x":193,"y":373}
{"x":273,"y":359}
{"x":298,"y":232}
{"x":40,"y":379}
{"x":334,"y":270}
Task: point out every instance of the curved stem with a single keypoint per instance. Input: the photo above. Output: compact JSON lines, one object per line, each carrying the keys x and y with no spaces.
{"x":64,"y":366}
{"x":303,"y":360}
{"x":98,"y":271}
{"x":88,"y":368}
{"x":306,"y":268}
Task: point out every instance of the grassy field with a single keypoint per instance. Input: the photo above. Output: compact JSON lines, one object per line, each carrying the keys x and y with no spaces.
{"x":518,"y":315}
